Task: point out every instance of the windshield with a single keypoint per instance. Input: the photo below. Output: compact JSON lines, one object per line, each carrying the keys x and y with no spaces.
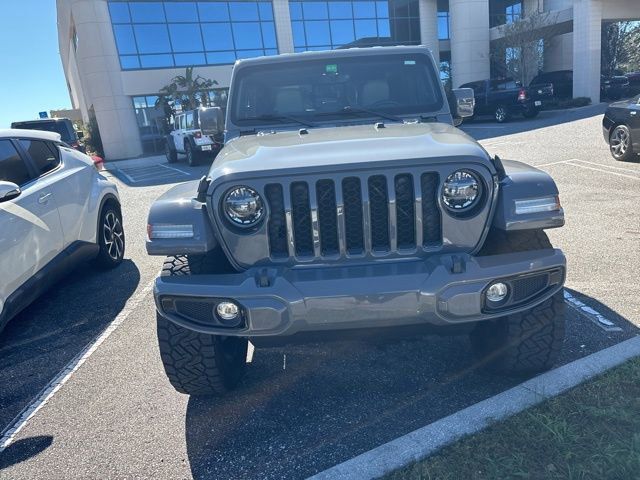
{"x":335,"y":89}
{"x":55,"y":127}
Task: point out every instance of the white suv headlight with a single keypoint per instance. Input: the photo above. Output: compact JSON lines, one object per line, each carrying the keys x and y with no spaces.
{"x":243,"y":206}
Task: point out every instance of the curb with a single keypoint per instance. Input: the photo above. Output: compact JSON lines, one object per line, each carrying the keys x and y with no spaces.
{"x":425,"y":441}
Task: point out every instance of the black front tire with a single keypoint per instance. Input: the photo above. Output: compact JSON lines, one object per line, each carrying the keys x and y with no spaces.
{"x":198,"y":363}
{"x":192,"y":155}
{"x":531,"y":113}
{"x":527,"y":342}
{"x":170,"y":153}
{"x":111,"y":239}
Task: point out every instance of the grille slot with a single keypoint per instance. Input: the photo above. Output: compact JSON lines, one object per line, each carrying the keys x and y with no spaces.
{"x":431,"y":221}
{"x":353,"y":216}
{"x":379,"y":207}
{"x":277,"y":226}
{"x":352,"y":200}
{"x":326,"y":197}
{"x":301,"y":213}
{"x":405,"y":211}
{"x":200,"y":311}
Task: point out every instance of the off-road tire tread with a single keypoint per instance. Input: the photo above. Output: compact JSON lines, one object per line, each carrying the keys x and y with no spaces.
{"x":526,"y":342}
{"x":191,"y":359}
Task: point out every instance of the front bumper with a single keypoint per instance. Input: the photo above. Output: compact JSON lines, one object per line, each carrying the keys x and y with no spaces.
{"x":350,"y":297}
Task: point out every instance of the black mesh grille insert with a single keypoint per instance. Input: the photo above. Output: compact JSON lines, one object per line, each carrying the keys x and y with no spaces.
{"x":301,"y":213}
{"x":405,"y":211}
{"x":326,"y":196}
{"x":526,"y":287}
{"x":196,"y":310}
{"x":379,"y":207}
{"x":352,"y":200}
{"x":277,"y":226}
{"x":431,"y":226}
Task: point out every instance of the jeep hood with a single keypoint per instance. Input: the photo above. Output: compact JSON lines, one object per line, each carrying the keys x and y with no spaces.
{"x":349,"y":145}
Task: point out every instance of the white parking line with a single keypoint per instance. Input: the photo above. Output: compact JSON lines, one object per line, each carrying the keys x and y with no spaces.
{"x":601,"y":170}
{"x":127,"y":176}
{"x":20,"y":421}
{"x":593,"y":315}
{"x":607,"y":166}
{"x":175,"y":169}
{"x":552,"y":163}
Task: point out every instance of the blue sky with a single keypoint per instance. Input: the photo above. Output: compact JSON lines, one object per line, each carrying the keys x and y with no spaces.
{"x":32,"y":79}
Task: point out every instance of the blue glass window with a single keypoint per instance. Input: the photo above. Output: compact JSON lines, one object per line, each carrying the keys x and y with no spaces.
{"x":156,"y":61}
{"x":220,"y":58}
{"x":443,"y":25}
{"x":321,"y":24}
{"x":217,"y":36}
{"x":159,"y":34}
{"x":119,"y":13}
{"x":146,"y":12}
{"x":213,"y":11}
{"x":243,"y":11}
{"x":185,"y":37}
{"x":187,"y":59}
{"x":152,"y":38}
{"x":247,"y":36}
{"x":181,"y":12}
{"x":125,"y":41}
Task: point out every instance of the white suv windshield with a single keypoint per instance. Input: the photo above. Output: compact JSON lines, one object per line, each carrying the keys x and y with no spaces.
{"x":335,"y":89}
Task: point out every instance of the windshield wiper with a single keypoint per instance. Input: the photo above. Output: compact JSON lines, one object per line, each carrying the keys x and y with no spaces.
{"x":281,"y":118}
{"x":387,"y":116}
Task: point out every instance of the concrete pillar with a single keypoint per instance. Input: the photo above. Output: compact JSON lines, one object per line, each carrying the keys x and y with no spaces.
{"x":587,"y":43}
{"x":282,"y":19}
{"x":429,"y":27}
{"x":99,"y":71}
{"x":470,"y":60}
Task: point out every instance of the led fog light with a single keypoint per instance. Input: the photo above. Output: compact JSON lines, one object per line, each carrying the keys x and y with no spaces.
{"x":497,"y":292}
{"x":228,"y":311}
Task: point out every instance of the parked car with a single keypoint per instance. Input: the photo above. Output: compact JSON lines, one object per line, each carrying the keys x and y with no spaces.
{"x":615,"y":87}
{"x":345,"y":202}
{"x":561,"y":81}
{"x":63,"y":126}
{"x":56,"y":210}
{"x":634,"y":82}
{"x":621,"y":128}
{"x":196,"y":133}
{"x":503,"y":98}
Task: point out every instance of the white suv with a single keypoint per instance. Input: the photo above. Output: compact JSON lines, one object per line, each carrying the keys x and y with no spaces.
{"x":197,"y":133}
{"x":56,"y":210}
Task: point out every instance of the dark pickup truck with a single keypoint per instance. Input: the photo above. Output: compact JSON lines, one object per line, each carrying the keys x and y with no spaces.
{"x":504,"y":98}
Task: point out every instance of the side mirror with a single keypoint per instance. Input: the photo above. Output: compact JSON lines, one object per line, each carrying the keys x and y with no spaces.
{"x":465,"y":102}
{"x":80,"y":134}
{"x":8,"y":191}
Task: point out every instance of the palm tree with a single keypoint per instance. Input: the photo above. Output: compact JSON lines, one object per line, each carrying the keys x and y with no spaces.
{"x":187,"y":90}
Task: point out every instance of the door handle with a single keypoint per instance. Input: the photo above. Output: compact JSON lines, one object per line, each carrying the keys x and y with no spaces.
{"x":43,"y":198}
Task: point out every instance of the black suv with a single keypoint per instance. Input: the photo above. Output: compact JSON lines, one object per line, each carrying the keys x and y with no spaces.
{"x":63,"y":126}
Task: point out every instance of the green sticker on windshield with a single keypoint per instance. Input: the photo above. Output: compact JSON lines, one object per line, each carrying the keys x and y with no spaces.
{"x":333,"y":68}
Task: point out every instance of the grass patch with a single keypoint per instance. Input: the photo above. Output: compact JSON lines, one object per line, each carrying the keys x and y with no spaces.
{"x":590,"y":432}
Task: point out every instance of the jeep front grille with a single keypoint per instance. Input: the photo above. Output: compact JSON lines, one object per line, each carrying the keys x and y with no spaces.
{"x":354,"y":215}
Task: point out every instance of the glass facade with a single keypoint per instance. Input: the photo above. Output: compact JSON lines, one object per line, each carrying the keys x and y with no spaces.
{"x":443,"y":20}
{"x":180,"y":34}
{"x":324,"y":25}
{"x":504,"y":11}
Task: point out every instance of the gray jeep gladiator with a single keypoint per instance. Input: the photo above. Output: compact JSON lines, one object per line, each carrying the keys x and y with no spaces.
{"x":345,"y":202}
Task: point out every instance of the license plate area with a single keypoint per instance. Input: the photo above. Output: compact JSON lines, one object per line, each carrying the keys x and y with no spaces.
{"x":537,"y":103}
{"x":206,"y":148}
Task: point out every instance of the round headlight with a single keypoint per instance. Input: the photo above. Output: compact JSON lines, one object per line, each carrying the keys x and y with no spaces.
{"x":461,"y":190}
{"x":243,"y":206}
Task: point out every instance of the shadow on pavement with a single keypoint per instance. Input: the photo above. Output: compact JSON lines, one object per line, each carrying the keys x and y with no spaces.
{"x":156,"y":171}
{"x":485,"y":128}
{"x":41,"y":340}
{"x":24,"y":449}
{"x":303,"y":409}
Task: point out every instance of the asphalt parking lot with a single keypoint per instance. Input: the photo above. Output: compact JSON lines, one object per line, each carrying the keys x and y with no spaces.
{"x":306,"y":408}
